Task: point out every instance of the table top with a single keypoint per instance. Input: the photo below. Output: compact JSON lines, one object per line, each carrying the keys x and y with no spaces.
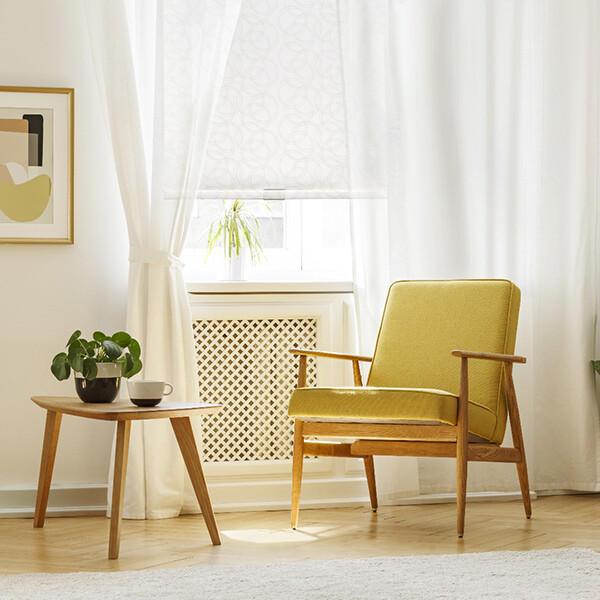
{"x":124,"y":410}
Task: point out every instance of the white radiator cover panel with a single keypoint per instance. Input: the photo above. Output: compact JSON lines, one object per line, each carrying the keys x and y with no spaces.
{"x":245,"y":365}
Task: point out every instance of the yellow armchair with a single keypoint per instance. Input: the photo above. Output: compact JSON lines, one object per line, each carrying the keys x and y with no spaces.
{"x":423,"y":396}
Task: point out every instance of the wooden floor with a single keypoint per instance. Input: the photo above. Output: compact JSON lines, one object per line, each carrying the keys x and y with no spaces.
{"x":80,"y":543}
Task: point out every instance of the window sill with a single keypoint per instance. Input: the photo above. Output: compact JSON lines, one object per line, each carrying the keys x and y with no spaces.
{"x":270,"y":287}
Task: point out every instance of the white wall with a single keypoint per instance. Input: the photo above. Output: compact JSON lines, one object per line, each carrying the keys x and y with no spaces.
{"x":48,"y":291}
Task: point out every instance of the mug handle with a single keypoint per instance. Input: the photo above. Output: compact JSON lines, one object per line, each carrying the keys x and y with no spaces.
{"x":170,"y":390}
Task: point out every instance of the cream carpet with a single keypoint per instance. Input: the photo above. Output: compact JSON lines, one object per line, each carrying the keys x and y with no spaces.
{"x":544,"y":575}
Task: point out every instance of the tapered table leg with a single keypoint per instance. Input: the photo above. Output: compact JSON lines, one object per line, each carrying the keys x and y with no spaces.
{"x":120,"y":470}
{"x":182,"y":427}
{"x":51,"y":432}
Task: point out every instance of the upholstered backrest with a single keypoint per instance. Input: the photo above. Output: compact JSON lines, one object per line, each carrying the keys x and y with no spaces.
{"x":424,"y":321}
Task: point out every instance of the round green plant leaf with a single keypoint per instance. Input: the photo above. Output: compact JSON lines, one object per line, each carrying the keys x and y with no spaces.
{"x":596,"y":365}
{"x":99,"y":336}
{"x":134,"y":349}
{"x":60,"y":366}
{"x":121,"y":338}
{"x":90,"y":347}
{"x":75,"y":335}
{"x":129,"y":361}
{"x":112,"y":350}
{"x":136,"y":368}
{"x":127,"y":364}
{"x":90,"y":368}
{"x":76,"y":354}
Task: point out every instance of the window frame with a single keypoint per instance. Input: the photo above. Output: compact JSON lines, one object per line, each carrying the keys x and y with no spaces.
{"x":294,"y":240}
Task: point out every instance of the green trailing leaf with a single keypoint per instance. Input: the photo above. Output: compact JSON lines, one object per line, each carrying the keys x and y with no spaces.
{"x":75,"y":335}
{"x":212,"y":240}
{"x":249,"y":240}
{"x":252,"y":240}
{"x":112,"y":350}
{"x":121,"y":338}
{"x":60,"y":366}
{"x":236,"y":235}
{"x":235,"y":229}
{"x":596,"y":365}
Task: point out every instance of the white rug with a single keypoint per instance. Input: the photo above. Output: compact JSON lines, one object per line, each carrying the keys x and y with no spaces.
{"x":543,"y":575}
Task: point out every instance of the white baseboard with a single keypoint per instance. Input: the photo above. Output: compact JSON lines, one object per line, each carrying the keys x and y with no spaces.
{"x":274,"y":494}
{"x":64,"y":501}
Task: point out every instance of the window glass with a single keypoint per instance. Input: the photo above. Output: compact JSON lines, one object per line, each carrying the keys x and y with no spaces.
{"x":301,"y":240}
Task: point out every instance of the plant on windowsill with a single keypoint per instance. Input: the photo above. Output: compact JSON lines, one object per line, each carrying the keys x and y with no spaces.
{"x":98,"y":364}
{"x":596,"y":365}
{"x":237,"y":229}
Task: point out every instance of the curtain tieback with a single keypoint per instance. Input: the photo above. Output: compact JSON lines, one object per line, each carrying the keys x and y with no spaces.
{"x":153,"y":257}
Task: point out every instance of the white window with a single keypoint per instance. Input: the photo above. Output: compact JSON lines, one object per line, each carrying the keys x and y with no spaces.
{"x":302,"y":240}
{"x":280,"y":124}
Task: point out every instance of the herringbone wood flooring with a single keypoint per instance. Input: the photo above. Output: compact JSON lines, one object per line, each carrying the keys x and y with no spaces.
{"x":80,"y":543}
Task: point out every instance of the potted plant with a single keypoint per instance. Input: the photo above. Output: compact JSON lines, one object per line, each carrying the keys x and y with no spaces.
{"x":98,"y":364}
{"x":237,"y":229}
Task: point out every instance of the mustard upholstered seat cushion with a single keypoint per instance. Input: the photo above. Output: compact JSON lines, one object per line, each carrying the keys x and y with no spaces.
{"x":383,"y":404}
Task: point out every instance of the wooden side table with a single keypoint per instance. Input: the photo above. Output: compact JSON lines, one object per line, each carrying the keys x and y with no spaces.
{"x":123,"y":412}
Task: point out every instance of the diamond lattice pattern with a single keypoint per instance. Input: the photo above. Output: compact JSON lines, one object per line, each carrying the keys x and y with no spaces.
{"x":245,"y":365}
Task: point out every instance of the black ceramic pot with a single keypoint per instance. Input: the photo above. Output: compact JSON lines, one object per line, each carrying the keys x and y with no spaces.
{"x":104,"y":388}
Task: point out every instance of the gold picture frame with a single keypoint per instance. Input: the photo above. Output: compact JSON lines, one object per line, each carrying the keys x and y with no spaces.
{"x":36,"y":165}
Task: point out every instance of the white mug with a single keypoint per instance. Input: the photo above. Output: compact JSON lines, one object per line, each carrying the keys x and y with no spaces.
{"x":148,"y":392}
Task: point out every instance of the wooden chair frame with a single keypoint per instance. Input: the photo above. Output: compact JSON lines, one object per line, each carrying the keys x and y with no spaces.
{"x":411,"y":440}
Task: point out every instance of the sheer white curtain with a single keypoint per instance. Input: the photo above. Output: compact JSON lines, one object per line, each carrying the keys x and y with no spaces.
{"x":491,"y":143}
{"x":155,"y":61}
{"x":364,"y":49}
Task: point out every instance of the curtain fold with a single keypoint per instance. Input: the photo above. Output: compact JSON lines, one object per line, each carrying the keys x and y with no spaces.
{"x":144,"y":81}
{"x":492,"y":163}
{"x":364,"y":48}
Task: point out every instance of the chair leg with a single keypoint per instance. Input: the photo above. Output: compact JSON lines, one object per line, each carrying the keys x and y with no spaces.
{"x":462,"y":449}
{"x":297,"y":463}
{"x":517,"y":435}
{"x":370,"y":471}
{"x":461,"y":487}
{"x":524,"y":483}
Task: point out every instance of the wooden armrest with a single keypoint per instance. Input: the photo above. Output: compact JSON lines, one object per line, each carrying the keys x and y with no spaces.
{"x":319,"y":353}
{"x":303,"y":353}
{"x":507,"y":358}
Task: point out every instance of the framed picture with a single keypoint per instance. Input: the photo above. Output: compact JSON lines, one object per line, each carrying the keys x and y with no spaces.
{"x":36,"y":165}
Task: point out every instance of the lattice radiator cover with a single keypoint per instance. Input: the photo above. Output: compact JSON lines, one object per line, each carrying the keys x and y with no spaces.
{"x":245,"y":365}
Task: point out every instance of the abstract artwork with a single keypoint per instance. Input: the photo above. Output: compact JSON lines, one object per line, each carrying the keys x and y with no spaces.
{"x":36,"y":165}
